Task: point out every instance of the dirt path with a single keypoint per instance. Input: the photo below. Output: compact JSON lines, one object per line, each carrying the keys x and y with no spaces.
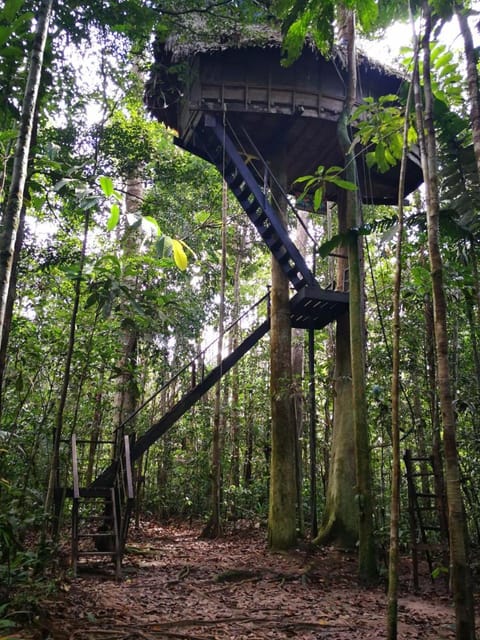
{"x":178,"y":586}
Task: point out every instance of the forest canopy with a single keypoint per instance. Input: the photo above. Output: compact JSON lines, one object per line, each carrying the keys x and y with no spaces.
{"x":128,"y":250}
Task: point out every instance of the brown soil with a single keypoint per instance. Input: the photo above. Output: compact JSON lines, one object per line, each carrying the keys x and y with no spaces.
{"x":176,"y":585}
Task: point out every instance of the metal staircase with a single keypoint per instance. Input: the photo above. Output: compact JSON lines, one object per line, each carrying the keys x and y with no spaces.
{"x":312,"y":306}
{"x":101,"y":510}
{"x":204,"y":376}
{"x":100,"y":513}
{"x":253,"y":198}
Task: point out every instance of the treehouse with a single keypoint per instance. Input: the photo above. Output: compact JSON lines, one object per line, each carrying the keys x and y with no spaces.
{"x":267,"y":107}
{"x":234,"y":104}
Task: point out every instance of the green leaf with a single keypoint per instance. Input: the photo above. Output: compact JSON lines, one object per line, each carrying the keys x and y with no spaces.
{"x":61,"y":183}
{"x":91,"y":300}
{"x":161,"y":246}
{"x":10,"y":9}
{"x":343,"y":184}
{"x":339,"y":240}
{"x":7,"y":135}
{"x":179,"y":255}
{"x":106,"y":185}
{"x":202,"y":216}
{"x":317,"y":198}
{"x":114,"y":218}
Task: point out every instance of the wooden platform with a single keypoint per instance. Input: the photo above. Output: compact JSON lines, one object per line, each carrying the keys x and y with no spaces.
{"x":315,"y":308}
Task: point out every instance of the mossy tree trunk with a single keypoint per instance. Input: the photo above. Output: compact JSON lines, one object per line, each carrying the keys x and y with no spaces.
{"x":366,"y":547}
{"x":283,"y":488}
{"x":459,"y":557}
{"x":14,"y":204}
{"x":340,"y":517}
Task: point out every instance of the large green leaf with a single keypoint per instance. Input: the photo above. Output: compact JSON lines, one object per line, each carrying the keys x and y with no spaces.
{"x":114,"y":217}
{"x":106,"y":184}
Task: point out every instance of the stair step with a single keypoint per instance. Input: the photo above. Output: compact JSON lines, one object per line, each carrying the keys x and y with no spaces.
{"x":273,"y":242}
{"x":97,"y":553}
{"x":297,"y":282}
{"x":94,"y":535}
{"x":286,"y":261}
{"x":252,"y":208}
{"x":243,"y":192}
{"x":258,"y":219}
{"x":235,"y":181}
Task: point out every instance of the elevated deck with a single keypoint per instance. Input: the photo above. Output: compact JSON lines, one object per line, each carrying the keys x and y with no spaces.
{"x":315,"y":308}
{"x":293,"y":108}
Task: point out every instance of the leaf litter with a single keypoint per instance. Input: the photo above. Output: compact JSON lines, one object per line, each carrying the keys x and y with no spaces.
{"x":177,"y":585}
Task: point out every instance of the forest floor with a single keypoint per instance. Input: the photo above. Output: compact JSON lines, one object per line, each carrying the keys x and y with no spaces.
{"x":177,"y":585}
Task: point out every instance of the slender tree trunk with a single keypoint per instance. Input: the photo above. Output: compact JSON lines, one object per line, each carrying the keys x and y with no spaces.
{"x":459,"y":561}
{"x":127,"y":388}
{"x":11,"y":217}
{"x":95,"y":431}
{"x":437,"y":457}
{"x":12,"y":288}
{"x":394,"y":555}
{"x":10,"y":304}
{"x":247,"y":464}
{"x":213,"y":528}
{"x":366,"y":548}
{"x":54,"y":476}
{"x":235,"y":413}
{"x":283,"y":492}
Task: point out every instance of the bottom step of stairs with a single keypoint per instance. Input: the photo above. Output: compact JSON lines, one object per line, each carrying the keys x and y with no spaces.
{"x":95,"y":527}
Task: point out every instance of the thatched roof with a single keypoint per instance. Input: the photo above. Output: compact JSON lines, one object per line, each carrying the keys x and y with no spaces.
{"x":240,"y":72}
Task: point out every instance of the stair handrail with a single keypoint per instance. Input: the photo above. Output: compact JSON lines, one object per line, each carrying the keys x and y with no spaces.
{"x":75,"y":478}
{"x":196,"y":357}
{"x":273,"y":178}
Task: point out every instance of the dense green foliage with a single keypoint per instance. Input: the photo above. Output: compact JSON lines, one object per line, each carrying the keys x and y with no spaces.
{"x":92,"y":136}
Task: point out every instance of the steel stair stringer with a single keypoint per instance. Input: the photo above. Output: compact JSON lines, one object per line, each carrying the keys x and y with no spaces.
{"x":185,"y":403}
{"x":221,"y":151}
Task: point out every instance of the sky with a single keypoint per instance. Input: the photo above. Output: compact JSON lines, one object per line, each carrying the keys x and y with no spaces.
{"x":400,"y":35}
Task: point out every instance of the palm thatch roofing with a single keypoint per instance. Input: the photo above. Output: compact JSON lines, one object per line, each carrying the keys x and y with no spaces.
{"x":241,"y":73}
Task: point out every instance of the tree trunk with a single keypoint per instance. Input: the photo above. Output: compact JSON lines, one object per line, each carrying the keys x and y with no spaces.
{"x":127,"y":389}
{"x":235,"y":412}
{"x":340,"y":517}
{"x":53,"y":481}
{"x":12,"y":290}
{"x":13,"y":208}
{"x":213,"y":528}
{"x":283,"y":487}
{"x":366,"y":548}
{"x":298,"y":358}
{"x":459,"y":561}
{"x":394,"y":555}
